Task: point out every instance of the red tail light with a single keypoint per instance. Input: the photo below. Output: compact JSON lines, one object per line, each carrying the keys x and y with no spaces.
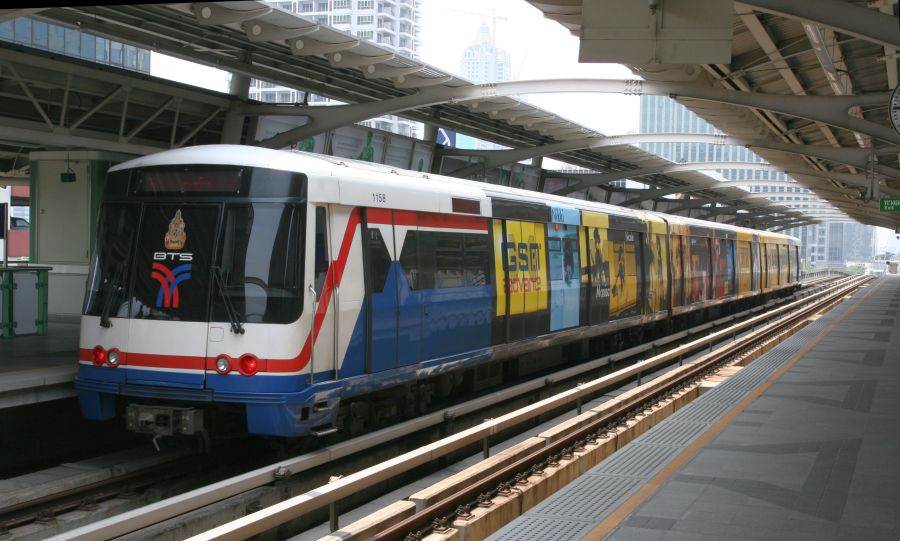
{"x":249,"y":364}
{"x":98,"y":355}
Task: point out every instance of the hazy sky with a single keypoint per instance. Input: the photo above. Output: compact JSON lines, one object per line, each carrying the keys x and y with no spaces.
{"x":539,"y":49}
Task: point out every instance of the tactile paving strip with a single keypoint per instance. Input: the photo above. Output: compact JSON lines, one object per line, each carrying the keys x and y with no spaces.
{"x":676,"y":433}
{"x":590,"y":499}
{"x":643,"y":460}
{"x":578,"y":507}
{"x":536,"y":528}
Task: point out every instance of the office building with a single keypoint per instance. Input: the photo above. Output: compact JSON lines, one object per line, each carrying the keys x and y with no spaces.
{"x":821,"y":244}
{"x":72,"y":42}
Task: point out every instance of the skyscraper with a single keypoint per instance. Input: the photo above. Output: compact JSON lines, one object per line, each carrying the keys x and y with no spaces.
{"x":392,"y":24}
{"x":483,"y":62}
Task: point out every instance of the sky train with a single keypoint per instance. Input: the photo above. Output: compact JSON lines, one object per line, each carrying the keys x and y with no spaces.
{"x":271,"y":286}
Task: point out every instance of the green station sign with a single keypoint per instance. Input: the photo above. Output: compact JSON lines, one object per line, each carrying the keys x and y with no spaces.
{"x":890,"y":205}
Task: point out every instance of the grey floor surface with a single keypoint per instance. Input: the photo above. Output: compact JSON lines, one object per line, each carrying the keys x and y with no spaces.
{"x":816,"y":456}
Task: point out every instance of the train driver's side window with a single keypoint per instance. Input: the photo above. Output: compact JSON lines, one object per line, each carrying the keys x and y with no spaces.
{"x":321,"y":251}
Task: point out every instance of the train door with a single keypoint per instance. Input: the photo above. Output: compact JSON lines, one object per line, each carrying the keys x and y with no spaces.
{"x":563,"y":268}
{"x":322,"y":358}
{"x":763,"y":266}
{"x":410,"y":282}
{"x":755,"y":284}
{"x":381,"y":291}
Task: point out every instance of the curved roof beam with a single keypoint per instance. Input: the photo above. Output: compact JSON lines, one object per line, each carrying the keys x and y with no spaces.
{"x":832,"y":110}
{"x":588,"y":180}
{"x":648,"y":194}
{"x":857,"y":157}
{"x":842,"y":16}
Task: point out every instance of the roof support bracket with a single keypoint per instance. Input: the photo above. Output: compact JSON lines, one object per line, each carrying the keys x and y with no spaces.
{"x":302,"y":47}
{"x":351,"y":60}
{"x":259,"y":31}
{"x":210,"y":14}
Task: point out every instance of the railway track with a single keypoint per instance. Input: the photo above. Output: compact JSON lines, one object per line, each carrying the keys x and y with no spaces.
{"x":487,"y":485}
{"x":267,"y":485}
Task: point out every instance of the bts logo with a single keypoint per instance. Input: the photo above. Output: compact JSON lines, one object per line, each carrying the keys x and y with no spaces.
{"x":168,"y":283}
{"x":522,"y":256}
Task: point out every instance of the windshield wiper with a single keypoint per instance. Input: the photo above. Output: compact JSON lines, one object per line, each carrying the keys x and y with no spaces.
{"x":237,"y":327}
{"x":111,"y":287}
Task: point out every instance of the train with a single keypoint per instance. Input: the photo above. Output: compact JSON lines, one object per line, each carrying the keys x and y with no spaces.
{"x":273,"y":287}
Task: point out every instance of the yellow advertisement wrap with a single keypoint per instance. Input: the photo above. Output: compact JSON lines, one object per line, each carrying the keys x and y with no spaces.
{"x":499,"y":267}
{"x":784,"y":264}
{"x":658,"y":281}
{"x":521,"y":255}
{"x":744,"y":266}
{"x":623,"y":266}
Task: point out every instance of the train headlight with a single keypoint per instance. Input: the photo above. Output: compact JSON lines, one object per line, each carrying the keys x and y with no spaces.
{"x":98,"y":355}
{"x":223,"y":365}
{"x":112,"y":357}
{"x":249,"y":364}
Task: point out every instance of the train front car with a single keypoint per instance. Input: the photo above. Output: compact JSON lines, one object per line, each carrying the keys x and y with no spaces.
{"x":195,"y":301}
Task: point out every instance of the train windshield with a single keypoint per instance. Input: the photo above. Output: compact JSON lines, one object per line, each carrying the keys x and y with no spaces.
{"x":196,"y":245}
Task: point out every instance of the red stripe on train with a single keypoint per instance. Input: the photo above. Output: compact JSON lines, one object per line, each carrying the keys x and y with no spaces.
{"x":427,"y":219}
{"x":332,"y":279}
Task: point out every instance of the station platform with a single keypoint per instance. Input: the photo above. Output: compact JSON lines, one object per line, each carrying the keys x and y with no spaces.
{"x":37,"y":369}
{"x":804,"y":443}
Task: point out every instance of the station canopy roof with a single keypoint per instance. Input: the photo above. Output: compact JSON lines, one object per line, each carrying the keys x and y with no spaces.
{"x":259,"y":40}
{"x":795,"y":48}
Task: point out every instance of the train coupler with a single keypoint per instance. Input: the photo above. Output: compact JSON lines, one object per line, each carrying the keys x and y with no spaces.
{"x":160,"y":421}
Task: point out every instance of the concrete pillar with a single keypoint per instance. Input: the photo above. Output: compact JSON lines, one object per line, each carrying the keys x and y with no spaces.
{"x":64,"y":212}
{"x":233,"y":128}
{"x":431,"y":131}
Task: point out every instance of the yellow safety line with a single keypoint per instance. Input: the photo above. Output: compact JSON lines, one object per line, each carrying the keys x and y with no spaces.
{"x":653,"y":484}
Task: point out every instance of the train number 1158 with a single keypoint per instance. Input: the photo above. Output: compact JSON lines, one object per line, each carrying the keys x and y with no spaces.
{"x":379,"y":198}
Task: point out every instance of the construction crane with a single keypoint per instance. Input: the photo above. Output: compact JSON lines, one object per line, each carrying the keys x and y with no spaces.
{"x":493,"y":16}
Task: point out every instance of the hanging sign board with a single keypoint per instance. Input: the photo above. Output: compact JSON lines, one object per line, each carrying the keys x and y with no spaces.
{"x":890,"y":205}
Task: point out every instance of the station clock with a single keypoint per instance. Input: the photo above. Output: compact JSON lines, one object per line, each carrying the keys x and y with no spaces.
{"x":894,"y":109}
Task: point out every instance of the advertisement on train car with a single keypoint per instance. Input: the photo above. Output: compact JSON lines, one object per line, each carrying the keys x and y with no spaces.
{"x":723,"y":261}
{"x":622,"y":250}
{"x":676,"y":249}
{"x":596,"y":265}
{"x":698,"y":248}
{"x":565,"y":289}
{"x":520,"y":254}
{"x":657,"y":297}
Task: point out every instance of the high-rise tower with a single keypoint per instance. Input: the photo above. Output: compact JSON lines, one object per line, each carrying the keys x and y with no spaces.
{"x":392,"y":24}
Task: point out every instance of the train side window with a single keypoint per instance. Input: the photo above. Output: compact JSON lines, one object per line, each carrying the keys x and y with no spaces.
{"x":448,"y":260}
{"x":409,"y":259}
{"x":379,"y":260}
{"x":477,"y":262}
{"x":321,"y":251}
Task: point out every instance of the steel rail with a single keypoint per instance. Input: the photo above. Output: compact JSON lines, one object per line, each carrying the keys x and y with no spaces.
{"x":422,"y":520}
{"x":169,"y":508}
{"x":295,"y":507}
